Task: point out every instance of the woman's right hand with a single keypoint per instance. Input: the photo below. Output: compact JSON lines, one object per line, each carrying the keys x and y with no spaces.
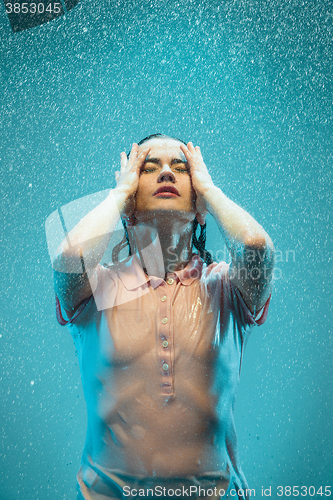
{"x":128,"y":177}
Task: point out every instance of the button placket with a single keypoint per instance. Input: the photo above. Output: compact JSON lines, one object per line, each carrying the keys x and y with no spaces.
{"x":166,"y":291}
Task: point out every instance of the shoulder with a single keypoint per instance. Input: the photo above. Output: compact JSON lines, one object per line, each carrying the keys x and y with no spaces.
{"x":215,"y":271}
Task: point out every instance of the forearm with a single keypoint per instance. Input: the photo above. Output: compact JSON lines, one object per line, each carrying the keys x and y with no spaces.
{"x":239,"y":229}
{"x":84,"y":246}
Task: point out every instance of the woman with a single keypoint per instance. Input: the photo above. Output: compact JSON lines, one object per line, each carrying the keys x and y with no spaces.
{"x":160,"y":336}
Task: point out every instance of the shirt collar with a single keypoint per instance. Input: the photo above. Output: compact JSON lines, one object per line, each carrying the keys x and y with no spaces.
{"x":132,"y":275}
{"x":191,"y":272}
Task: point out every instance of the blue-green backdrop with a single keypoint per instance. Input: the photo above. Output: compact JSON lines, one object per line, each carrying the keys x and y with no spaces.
{"x":250,"y":82}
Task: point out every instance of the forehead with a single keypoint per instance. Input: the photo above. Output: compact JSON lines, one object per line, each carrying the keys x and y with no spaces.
{"x":162,"y":147}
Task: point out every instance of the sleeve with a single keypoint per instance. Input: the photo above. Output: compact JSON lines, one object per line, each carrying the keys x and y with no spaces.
{"x":59,"y":315}
{"x":233,"y":302}
{"x":244,"y":312}
{"x":101,"y":277}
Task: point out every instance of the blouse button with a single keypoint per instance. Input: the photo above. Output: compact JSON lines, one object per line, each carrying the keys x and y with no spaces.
{"x":163,"y":299}
{"x":164,"y":321}
{"x":170,"y":281}
{"x":165,"y":343}
{"x":165,"y":367}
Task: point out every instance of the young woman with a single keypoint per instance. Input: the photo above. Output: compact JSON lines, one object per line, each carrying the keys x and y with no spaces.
{"x":160,"y":335}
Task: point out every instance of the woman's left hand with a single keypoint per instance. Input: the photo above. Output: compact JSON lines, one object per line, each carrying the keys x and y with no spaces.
{"x":201,"y":180}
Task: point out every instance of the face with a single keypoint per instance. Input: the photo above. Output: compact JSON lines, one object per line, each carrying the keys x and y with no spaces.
{"x":165,"y":183}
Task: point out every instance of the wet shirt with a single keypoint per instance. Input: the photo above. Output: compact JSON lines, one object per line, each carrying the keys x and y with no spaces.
{"x":160,"y":365}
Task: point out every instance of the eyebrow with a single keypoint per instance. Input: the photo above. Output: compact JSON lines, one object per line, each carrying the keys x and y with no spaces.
{"x":158,"y":161}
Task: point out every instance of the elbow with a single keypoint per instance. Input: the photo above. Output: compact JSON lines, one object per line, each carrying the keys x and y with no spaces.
{"x":255,"y":241}
{"x":259,"y":241}
{"x":263,"y":247}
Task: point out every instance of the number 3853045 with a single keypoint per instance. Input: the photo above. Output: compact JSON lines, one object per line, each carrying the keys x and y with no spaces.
{"x":33,"y":8}
{"x":303,"y":491}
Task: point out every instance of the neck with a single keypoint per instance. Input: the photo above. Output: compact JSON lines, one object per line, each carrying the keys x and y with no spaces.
{"x":163,"y":246}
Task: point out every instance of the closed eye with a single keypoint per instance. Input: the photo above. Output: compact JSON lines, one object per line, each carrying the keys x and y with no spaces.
{"x":147,"y":170}
{"x":181,"y":169}
{"x":179,"y":166}
{"x":153,"y":164}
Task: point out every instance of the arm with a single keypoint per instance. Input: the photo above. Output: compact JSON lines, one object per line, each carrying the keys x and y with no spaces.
{"x":251,"y":249}
{"x":84,"y":246}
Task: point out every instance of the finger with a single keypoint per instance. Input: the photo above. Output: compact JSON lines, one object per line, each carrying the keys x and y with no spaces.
{"x":134,"y":153}
{"x":198,"y":150}
{"x":191,"y":147}
{"x":117,"y":175}
{"x":123,"y":161}
{"x":188,"y":156}
{"x":141,"y":158}
{"x":185,"y":150}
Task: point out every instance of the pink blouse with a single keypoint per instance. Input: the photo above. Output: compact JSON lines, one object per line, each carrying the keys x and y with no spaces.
{"x":160,"y":365}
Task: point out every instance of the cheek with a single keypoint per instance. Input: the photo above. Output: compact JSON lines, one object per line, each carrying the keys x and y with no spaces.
{"x":189,"y":198}
{"x":143,"y":191}
{"x":192,"y":194}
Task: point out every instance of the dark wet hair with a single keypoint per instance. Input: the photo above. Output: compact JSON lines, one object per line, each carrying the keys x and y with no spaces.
{"x":198,"y":243}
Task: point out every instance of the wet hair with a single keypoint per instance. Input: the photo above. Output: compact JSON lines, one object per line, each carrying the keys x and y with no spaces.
{"x":158,"y":136}
{"x":199,"y":243}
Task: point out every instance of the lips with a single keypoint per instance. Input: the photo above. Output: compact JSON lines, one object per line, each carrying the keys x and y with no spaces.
{"x":167,"y":189}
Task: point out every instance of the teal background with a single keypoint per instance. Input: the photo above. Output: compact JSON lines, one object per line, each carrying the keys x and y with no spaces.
{"x":250,"y":82}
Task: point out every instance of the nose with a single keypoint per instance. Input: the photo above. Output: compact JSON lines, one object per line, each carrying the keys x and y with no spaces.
{"x":166,"y":174}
